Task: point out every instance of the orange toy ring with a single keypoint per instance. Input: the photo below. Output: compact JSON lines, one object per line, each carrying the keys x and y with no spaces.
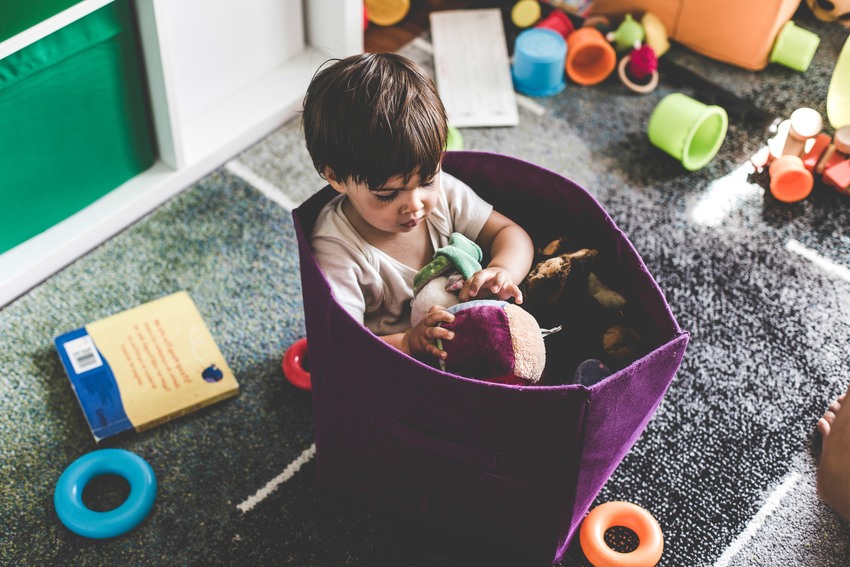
{"x":293,"y":365}
{"x":629,"y":516}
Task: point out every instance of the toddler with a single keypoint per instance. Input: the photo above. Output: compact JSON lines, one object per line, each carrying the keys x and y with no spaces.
{"x":833,"y":477}
{"x":376,"y":130}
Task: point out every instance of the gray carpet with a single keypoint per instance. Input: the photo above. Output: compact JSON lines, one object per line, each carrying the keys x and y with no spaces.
{"x":726,"y":464}
{"x":233,"y":250}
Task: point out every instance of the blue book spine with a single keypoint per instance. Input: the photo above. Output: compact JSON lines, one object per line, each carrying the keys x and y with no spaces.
{"x":94,"y":384}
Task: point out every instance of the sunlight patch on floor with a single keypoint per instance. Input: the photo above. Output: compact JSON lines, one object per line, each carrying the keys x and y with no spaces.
{"x":724,"y":196}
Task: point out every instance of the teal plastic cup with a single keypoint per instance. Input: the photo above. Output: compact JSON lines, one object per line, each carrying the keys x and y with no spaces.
{"x":538,"y":67}
{"x":794,"y":47}
{"x":688,"y":130}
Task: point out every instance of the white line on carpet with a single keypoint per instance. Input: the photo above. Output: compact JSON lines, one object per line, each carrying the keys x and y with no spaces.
{"x":260,"y":184}
{"x":758,"y":520}
{"x":822,"y":262}
{"x":272,"y":485}
{"x":422,"y":45}
{"x":530,"y":105}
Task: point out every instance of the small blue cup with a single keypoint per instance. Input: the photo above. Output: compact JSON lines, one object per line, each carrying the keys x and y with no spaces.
{"x":538,"y":67}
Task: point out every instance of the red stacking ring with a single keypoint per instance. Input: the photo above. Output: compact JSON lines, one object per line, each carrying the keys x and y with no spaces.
{"x":293,"y":365}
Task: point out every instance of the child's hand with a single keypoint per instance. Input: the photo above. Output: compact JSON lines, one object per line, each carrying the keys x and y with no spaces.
{"x":420,"y":339}
{"x":491,"y":282}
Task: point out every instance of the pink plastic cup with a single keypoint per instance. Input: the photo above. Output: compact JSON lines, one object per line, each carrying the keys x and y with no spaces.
{"x":558,"y":22}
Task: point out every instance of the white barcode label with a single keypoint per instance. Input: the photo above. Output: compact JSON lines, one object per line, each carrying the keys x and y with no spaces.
{"x":83,"y":354}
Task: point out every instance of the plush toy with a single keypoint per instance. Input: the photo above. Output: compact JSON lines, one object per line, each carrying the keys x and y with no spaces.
{"x":501,"y":342}
{"x":494,"y":340}
{"x":555,"y":282}
{"x":439,"y":282}
{"x":563,"y":290}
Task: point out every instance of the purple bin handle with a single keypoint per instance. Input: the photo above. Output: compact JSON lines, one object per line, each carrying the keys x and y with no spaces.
{"x":419,"y":440}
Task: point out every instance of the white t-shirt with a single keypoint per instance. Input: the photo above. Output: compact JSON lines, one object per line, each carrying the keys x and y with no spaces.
{"x":374,"y":287}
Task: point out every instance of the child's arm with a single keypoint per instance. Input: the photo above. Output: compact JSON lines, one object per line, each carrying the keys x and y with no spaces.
{"x":420,"y":340}
{"x":511,"y":253}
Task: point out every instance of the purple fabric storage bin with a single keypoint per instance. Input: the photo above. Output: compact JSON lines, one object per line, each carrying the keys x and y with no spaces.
{"x":520,"y":462}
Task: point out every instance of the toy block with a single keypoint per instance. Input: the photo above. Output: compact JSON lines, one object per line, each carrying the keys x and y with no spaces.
{"x":829,"y":158}
{"x":838,"y":176}
{"x":812,"y":157}
{"x":806,"y":123}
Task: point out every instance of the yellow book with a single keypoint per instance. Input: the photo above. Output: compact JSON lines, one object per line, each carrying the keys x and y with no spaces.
{"x":145,"y":366}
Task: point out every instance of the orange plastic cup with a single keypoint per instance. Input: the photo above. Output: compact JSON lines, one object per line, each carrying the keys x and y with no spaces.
{"x":790,"y":181}
{"x":590,"y":58}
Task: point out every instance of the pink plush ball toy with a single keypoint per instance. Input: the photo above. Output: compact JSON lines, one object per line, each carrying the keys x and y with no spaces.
{"x":494,"y":341}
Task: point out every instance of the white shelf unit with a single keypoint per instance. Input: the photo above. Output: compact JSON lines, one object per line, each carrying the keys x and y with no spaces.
{"x":222,"y":74}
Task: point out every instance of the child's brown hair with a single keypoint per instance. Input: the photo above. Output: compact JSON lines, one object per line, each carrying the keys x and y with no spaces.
{"x":373,"y":116}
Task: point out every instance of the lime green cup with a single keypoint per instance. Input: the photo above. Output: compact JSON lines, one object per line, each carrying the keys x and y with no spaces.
{"x":688,"y":130}
{"x":794,"y":47}
{"x":455,"y":140}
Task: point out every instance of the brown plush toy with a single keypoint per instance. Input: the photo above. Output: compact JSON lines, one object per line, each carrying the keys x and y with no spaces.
{"x":554,"y":278}
{"x":563,"y":290}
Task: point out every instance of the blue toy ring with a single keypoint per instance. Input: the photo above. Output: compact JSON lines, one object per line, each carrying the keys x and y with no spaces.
{"x":68,"y":497}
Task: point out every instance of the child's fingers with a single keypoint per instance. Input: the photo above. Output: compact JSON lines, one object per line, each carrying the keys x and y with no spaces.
{"x":494,"y":281}
{"x":828,"y":417}
{"x":435,"y":317}
{"x":511,"y":290}
{"x":465,"y":293}
{"x":823,"y":427}
{"x":436,"y":352}
{"x":434,"y":333}
{"x":472,"y":287}
{"x":480,"y":288}
{"x":518,"y":296}
{"x":497,"y":282}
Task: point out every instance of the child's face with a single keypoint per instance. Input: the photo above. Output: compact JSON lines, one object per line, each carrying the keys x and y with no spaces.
{"x":395,"y":208}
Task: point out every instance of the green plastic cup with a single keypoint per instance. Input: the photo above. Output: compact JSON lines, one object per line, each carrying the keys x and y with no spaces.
{"x":794,"y":47}
{"x":455,"y":140}
{"x":688,"y":130}
{"x":838,"y":95}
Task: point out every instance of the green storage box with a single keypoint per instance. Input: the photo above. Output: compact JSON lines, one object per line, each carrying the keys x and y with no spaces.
{"x":19,"y":15}
{"x":75,"y":122}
